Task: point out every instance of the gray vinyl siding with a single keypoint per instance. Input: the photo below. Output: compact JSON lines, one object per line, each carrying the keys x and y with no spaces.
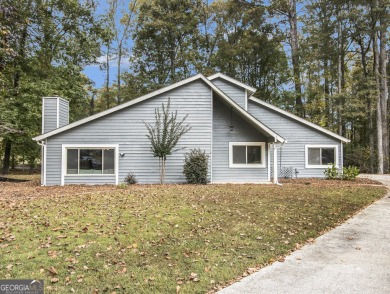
{"x":90,"y":179}
{"x":50,"y":114}
{"x":237,"y":94}
{"x":297,"y":135}
{"x":243,"y":132}
{"x":126,"y":128}
{"x":64,"y":113}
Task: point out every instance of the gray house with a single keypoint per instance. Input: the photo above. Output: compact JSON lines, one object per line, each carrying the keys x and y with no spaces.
{"x":247,"y":139}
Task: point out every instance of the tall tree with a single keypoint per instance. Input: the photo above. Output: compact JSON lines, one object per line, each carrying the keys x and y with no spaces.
{"x":49,"y":39}
{"x":166,"y":41}
{"x":288,"y":10}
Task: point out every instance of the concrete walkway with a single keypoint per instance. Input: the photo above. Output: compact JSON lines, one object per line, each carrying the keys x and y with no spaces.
{"x":352,"y":258}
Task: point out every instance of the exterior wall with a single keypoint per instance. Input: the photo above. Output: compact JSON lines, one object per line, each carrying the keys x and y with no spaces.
{"x":237,"y":94}
{"x":126,"y":128}
{"x":297,"y":135}
{"x":55,"y":113}
{"x":243,"y":132}
{"x":63,"y":112}
{"x":49,"y":114}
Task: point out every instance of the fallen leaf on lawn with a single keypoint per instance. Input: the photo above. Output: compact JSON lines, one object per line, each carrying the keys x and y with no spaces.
{"x":53,"y":271}
{"x":122,"y":271}
{"x":194,"y":277}
{"x":251,"y":270}
{"x":62,"y":237}
{"x":177,"y":289}
{"x":85,"y":229}
{"x":54,"y":280}
{"x":56,"y":229}
{"x":9,"y":267}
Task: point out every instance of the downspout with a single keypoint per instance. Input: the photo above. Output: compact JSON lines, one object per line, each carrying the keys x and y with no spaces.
{"x":43,"y":145}
{"x":275,"y":171}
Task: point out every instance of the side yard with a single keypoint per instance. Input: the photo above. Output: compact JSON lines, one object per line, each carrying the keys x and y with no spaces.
{"x":163,"y":238}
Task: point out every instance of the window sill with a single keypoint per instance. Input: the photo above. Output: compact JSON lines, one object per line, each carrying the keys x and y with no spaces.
{"x":247,"y":166}
{"x":88,"y":175}
{"x":320,"y":166}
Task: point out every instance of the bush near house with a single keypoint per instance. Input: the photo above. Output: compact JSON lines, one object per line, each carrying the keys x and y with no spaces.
{"x":349,"y":173}
{"x":196,"y":166}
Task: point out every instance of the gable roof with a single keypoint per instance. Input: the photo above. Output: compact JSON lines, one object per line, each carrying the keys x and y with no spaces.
{"x":299,"y":119}
{"x":236,"y":107}
{"x":233,"y":81}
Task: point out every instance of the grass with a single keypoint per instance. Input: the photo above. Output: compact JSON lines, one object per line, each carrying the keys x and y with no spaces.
{"x":163,"y":239}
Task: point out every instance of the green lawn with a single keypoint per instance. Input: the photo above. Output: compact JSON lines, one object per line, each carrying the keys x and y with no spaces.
{"x":163,"y":239}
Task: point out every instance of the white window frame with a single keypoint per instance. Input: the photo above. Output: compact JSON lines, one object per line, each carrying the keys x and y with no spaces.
{"x":240,"y":165}
{"x":65,"y":147}
{"x":307,"y":165}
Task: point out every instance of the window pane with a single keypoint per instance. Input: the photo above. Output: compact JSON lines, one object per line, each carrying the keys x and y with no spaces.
{"x":90,"y":161}
{"x":254,"y":154}
{"x":313,"y":156}
{"x":72,"y":163}
{"x":239,"y":154}
{"x":328,"y":155}
{"x":109,"y":161}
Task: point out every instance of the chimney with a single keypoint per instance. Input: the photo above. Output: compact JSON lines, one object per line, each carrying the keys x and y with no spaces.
{"x":55,"y":113}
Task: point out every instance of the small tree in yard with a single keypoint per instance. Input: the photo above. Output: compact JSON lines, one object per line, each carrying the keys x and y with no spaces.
{"x":165,"y":134}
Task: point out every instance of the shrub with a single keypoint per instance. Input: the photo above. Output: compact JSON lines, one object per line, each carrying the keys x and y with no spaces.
{"x":350,"y":173}
{"x":131,"y":179}
{"x":331,"y":173}
{"x":196,"y":166}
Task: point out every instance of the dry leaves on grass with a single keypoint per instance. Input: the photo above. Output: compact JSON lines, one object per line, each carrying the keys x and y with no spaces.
{"x":163,"y":238}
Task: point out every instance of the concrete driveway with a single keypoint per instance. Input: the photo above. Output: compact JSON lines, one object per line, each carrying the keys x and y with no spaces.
{"x":352,"y":258}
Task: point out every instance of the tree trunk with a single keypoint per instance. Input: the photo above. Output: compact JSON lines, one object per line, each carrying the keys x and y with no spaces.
{"x":7,"y":156}
{"x":292,"y":18}
{"x":108,"y":77}
{"x":379,"y":122}
{"x":383,"y":89}
{"x":118,"y":94}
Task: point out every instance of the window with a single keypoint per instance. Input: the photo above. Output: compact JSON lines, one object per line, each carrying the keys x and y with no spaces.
{"x":321,"y":156}
{"x":80,"y":161}
{"x":247,"y":154}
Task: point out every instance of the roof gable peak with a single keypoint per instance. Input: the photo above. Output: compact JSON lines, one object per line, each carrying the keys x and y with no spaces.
{"x":233,"y":81}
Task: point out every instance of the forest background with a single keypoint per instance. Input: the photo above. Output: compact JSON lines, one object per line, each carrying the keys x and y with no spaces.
{"x":326,"y":61}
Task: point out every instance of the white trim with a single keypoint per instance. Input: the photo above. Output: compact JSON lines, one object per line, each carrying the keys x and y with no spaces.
{"x":269,"y":162}
{"x":234,"y":81}
{"x":336,"y":147}
{"x":43,"y":150}
{"x":275,"y":164}
{"x":341,"y":155}
{"x":58,"y":112}
{"x":45,"y":163}
{"x":212,"y":135}
{"x":93,"y":146}
{"x":246,"y":99}
{"x":43,"y":114}
{"x":297,"y":118}
{"x":233,"y":165}
{"x":239,"y":109}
